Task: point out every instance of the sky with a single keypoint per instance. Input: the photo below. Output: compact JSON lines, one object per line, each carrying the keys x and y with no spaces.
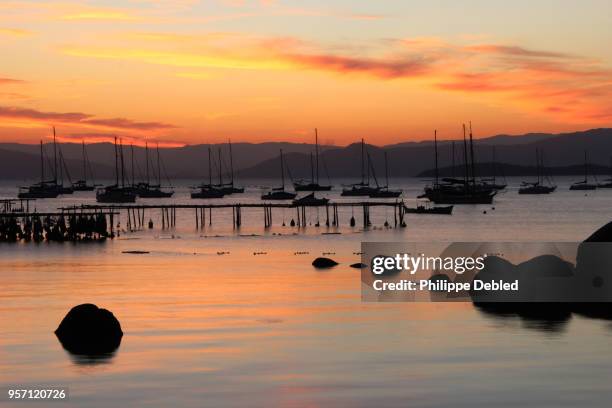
{"x":194,"y":71}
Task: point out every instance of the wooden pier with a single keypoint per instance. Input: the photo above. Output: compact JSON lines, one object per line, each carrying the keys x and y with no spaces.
{"x":136,"y":213}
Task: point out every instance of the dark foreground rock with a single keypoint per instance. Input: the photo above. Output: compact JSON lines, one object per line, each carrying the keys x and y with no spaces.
{"x":89,"y":330}
{"x":359,"y":265}
{"x":324,"y":263}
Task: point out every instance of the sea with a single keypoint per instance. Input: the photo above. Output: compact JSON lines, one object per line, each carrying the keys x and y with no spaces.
{"x":225,"y":317}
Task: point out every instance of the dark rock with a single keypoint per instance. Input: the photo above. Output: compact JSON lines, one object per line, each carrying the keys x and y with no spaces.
{"x":324,"y":263}
{"x":359,"y":265}
{"x":89,"y":330}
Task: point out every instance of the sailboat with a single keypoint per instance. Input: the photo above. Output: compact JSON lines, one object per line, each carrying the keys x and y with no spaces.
{"x":314,"y":171}
{"x":608,"y":182}
{"x":538,"y":186}
{"x":492,"y":182}
{"x":584,"y":184}
{"x":362,"y":188}
{"x":42,"y":189}
{"x":146,"y":189}
{"x":228,"y":188}
{"x":385,"y":192}
{"x":208,"y":190}
{"x":116,"y":193}
{"x":456,"y":191}
{"x":81,"y":185}
{"x":279,"y":193}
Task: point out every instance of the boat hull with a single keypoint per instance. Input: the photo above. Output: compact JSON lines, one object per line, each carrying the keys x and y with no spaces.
{"x":386,"y":194}
{"x":537,"y":190}
{"x":207,"y":193}
{"x":311,"y":187}
{"x":278,"y":195}
{"x":448,"y":210}
{"x":582,"y":187}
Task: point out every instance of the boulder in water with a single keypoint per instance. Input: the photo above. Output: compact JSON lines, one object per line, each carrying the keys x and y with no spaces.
{"x":89,"y":330}
{"x":322,"y":262}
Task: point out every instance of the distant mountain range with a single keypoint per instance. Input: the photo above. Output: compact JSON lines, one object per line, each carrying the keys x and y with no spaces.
{"x":260,"y":160}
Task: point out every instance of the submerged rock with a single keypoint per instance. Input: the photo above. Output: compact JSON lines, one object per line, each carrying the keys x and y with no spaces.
{"x":322,"y":262}
{"x":89,"y":330}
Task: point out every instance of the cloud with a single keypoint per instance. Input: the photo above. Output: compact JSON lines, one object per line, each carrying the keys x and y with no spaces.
{"x":15,"y":32}
{"x":533,"y":80}
{"x":90,"y":137}
{"x":39,"y":118}
{"x":10,"y":81}
{"x":515,"y":51}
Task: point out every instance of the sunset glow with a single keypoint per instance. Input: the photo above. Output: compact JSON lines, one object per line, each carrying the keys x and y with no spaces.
{"x":189,"y":71}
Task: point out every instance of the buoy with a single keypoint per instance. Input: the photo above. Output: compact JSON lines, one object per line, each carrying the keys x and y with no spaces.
{"x":386,"y":223}
{"x":150,"y":224}
{"x":292,"y":223}
{"x":352,"y":221}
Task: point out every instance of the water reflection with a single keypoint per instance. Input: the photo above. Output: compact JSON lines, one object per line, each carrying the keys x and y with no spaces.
{"x":91,"y":359}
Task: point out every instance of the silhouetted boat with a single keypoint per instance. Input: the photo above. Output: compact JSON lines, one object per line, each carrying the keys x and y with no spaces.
{"x":492,"y":182}
{"x":362,"y":188}
{"x":146,"y":189}
{"x":313,"y":185}
{"x":279,"y":193}
{"x":228,"y":188}
{"x":584,"y":184}
{"x":422,"y":209}
{"x":455,"y":191}
{"x":385,"y":192}
{"x":116,"y":193}
{"x":310,"y":201}
{"x":538,"y":186}
{"x":81,"y":185}
{"x":208,"y":190}
{"x":44,"y":188}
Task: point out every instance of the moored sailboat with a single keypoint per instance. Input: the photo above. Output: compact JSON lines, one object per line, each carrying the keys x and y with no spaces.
{"x":362,"y":188}
{"x":456,"y":191}
{"x":279,"y":193}
{"x":584,"y":184}
{"x":313,"y":185}
{"x":147,"y":190}
{"x":116,"y":193}
{"x":208,"y":190}
{"x":538,"y":187}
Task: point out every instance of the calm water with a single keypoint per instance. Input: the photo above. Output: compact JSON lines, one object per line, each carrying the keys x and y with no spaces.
{"x":240,"y":329}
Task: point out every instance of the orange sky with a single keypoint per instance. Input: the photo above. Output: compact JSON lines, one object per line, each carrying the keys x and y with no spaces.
{"x":189,"y":71}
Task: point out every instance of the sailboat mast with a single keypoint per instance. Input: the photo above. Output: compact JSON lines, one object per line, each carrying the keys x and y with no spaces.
{"x":84,"y":164}
{"x":465,"y":158}
{"x":362,"y":163}
{"x":436,"y":155}
{"x":282,"y":170}
{"x":386,"y":171}
{"x":132,"y":165}
{"x":122,"y":164}
{"x":209,"y":167}
{"x":453,"y":159}
{"x":116,"y":164}
{"x":220,"y":170}
{"x":42,"y":164}
{"x":472,"y":156}
{"x":317,"y":154}
{"x":231,"y":162}
{"x":158,"y":167}
{"x":147,"y":160}
{"x":54,"y":156}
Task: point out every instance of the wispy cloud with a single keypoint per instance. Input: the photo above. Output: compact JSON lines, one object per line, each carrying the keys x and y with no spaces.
{"x":40,"y":118}
{"x":15,"y":32}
